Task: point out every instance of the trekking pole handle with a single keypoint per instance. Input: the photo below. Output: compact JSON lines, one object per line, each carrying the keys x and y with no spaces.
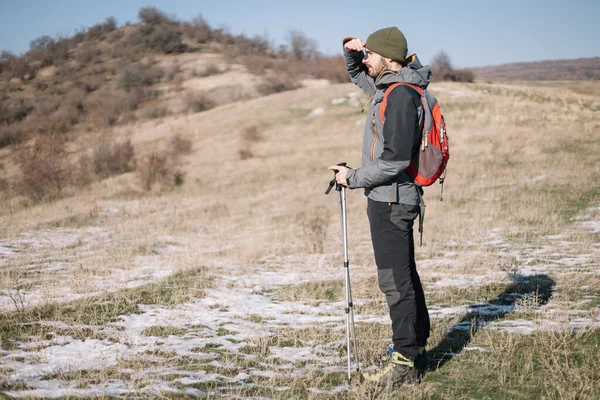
{"x":333,"y":183}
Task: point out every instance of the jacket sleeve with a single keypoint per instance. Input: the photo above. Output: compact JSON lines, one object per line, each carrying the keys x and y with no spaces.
{"x":400,"y":134}
{"x":358,"y":71}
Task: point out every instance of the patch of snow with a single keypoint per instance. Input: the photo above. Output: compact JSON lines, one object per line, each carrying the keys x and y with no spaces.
{"x":593,"y":226}
{"x":317,"y":111}
{"x":475,"y":348}
{"x":538,"y":178}
{"x":339,"y":100}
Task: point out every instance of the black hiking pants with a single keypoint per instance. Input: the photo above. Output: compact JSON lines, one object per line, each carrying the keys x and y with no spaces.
{"x":394,"y":247}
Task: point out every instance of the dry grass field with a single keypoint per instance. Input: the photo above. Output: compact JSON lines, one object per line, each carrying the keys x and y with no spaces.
{"x":231,"y":285}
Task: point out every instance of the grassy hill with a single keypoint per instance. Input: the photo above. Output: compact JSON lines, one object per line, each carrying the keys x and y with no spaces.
{"x":201,"y":258}
{"x":548,"y":70}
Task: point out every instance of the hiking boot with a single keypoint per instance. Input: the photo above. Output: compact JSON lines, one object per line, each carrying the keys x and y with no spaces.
{"x":397,"y":371}
{"x":422,"y":361}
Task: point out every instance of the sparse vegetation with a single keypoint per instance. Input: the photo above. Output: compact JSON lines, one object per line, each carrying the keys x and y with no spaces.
{"x":232,"y":285}
{"x":442,"y":70}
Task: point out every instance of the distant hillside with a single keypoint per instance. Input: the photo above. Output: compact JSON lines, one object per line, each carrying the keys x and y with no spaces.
{"x":550,"y":70}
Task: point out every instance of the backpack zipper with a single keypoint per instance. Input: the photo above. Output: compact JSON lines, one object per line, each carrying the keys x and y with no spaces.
{"x":374,"y":137}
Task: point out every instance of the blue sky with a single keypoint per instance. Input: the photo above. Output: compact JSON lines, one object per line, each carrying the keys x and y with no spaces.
{"x":473,"y":33}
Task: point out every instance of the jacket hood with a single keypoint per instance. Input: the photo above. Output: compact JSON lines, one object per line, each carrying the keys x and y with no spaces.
{"x":414,"y":73}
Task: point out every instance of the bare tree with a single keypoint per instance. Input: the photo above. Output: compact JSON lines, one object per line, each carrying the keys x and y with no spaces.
{"x":301,"y":47}
{"x":442,"y":70}
{"x":441,"y":66}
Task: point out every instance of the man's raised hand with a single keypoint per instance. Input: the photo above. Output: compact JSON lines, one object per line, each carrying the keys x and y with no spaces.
{"x":354,"y":45}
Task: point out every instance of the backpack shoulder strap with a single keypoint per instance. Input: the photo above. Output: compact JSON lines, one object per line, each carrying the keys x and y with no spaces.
{"x":389,"y":90}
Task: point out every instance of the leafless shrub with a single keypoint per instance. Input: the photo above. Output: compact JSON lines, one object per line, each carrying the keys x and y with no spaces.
{"x":88,"y":53}
{"x":314,"y":227}
{"x":62,"y":120}
{"x":10,"y":135}
{"x":464,"y":75}
{"x":198,"y":30}
{"x":11,"y":112}
{"x":20,"y":68}
{"x":154,"y":169}
{"x":442,"y":70}
{"x":153,"y":16}
{"x":82,"y":171}
{"x":180,"y":146}
{"x":198,"y":102}
{"x":6,"y":60}
{"x":173,"y":71}
{"x":278,"y":84}
{"x":139,"y":76}
{"x":301,"y":47}
{"x":245,"y":153}
{"x":41,"y":43}
{"x":163,"y":167}
{"x":210,"y":69}
{"x":112,"y":158}
{"x":156,"y":112}
{"x":110,"y":108}
{"x":44,"y":169}
{"x":330,"y":68}
{"x":109,"y":25}
{"x":258,"y":65}
{"x":46,"y":107}
{"x":251,"y":134}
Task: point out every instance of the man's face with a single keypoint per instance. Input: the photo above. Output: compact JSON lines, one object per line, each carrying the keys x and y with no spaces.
{"x":374,"y":62}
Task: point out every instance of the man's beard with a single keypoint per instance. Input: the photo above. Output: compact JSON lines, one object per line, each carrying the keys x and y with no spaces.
{"x":374,"y":72}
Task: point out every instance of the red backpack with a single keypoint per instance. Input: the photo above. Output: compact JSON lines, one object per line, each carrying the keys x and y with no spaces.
{"x":434,"y":153}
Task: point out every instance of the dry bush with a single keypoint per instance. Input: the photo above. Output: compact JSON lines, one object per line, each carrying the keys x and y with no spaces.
{"x":314,"y":228}
{"x":61,"y":121}
{"x":245,"y":153}
{"x":15,"y":111}
{"x":139,"y":75}
{"x":157,"y":168}
{"x":173,"y":71}
{"x":330,"y":68}
{"x":44,"y":169}
{"x":10,"y":135}
{"x":210,"y":69}
{"x":163,"y":167}
{"x":112,"y":158}
{"x":88,"y":53}
{"x":6,"y":60}
{"x":442,"y":70}
{"x":180,"y":146}
{"x":278,"y":84}
{"x":258,"y":65}
{"x":250,"y":135}
{"x":153,"y":16}
{"x":22,"y":69}
{"x":155,"y":112}
{"x":198,"y":30}
{"x":159,"y":32}
{"x":464,"y":75}
{"x":198,"y":102}
{"x":301,"y":46}
{"x":45,"y":107}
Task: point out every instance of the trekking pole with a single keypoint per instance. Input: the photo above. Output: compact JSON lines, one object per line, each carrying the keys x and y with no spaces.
{"x":349,"y":306}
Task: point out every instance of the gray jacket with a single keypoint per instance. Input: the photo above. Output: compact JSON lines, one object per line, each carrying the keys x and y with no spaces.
{"x":387,"y":152}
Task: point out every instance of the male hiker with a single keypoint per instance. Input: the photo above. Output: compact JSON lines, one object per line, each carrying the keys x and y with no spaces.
{"x":393,"y":198}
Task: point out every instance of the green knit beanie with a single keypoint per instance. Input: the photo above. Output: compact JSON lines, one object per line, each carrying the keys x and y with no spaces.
{"x":389,"y":43}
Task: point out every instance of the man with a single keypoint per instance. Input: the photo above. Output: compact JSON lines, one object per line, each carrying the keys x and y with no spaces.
{"x":393,"y":198}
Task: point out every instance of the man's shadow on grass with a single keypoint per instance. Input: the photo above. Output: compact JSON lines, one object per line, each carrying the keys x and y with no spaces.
{"x":532,"y":289}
